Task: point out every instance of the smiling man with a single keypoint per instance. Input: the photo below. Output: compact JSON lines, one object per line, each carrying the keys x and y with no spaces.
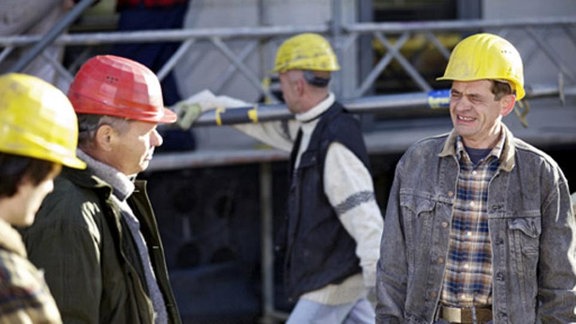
{"x":96,"y":235}
{"x":479,"y":226}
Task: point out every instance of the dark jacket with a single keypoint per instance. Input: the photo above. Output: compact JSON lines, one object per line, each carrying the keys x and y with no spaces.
{"x":79,"y":241}
{"x":319,"y":250}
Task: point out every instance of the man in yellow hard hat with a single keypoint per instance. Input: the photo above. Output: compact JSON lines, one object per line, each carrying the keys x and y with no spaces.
{"x":334,"y":223}
{"x":96,"y":235}
{"x":332,"y":234}
{"x":479,"y":226}
{"x":38,"y":136}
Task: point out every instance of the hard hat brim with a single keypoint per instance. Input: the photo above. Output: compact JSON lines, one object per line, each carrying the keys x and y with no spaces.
{"x":169,"y":117}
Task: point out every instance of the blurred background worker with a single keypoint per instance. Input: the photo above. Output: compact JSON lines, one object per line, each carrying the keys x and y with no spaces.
{"x":38,"y":135}
{"x":479,"y":225}
{"x":96,"y":235}
{"x":334,"y":225}
{"x":332,"y":233}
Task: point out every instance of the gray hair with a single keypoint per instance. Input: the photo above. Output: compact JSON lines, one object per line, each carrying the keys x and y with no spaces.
{"x":88,"y":124}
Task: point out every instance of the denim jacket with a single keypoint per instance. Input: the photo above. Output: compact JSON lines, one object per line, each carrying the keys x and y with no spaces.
{"x":532,"y":231}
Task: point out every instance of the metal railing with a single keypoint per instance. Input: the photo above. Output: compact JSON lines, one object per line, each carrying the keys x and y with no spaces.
{"x":395,"y":42}
{"x":390,"y":40}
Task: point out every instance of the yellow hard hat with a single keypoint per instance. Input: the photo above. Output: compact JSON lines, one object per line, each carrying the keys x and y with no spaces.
{"x":486,"y":56}
{"x":37,"y":120}
{"x":306,"y":51}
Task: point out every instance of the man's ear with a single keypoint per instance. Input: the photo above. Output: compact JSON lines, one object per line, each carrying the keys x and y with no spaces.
{"x":507,"y":104}
{"x":104,"y":137}
{"x":300,"y":85}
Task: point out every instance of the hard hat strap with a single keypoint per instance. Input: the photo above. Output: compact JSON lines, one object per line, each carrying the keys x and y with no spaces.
{"x":315,"y":80}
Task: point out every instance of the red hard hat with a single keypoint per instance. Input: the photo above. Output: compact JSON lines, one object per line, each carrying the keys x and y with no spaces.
{"x":116,"y":86}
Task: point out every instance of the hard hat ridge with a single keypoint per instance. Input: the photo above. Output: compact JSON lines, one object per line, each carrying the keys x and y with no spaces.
{"x":117,"y":86}
{"x":38,"y":120}
{"x":486,"y":56}
{"x":307,"y":51}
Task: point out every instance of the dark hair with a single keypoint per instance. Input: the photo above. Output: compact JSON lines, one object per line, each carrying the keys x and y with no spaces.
{"x":15,"y":168}
{"x":500,"y":89}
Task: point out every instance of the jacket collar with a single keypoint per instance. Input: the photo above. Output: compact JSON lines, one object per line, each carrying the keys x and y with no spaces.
{"x":506,"y":157}
{"x":316,"y":111}
{"x":121,"y":184}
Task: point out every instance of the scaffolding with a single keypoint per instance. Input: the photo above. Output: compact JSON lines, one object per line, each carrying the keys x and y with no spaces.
{"x":400,"y":44}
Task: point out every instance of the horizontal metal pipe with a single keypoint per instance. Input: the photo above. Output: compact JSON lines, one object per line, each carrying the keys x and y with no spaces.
{"x":251,"y":32}
{"x":396,"y":104}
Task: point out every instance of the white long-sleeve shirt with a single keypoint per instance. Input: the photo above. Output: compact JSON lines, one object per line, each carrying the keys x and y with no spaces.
{"x":349,"y":187}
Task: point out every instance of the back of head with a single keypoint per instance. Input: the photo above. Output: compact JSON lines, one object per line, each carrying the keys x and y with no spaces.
{"x":486,"y":56}
{"x":307,"y":51}
{"x":37,"y":121}
{"x":120,"y":87}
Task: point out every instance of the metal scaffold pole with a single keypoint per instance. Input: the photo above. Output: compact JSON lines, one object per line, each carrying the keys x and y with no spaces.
{"x":398,"y":104}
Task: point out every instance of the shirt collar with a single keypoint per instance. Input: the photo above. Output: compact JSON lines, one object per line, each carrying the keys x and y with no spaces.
{"x":504,"y":149}
{"x":316,"y":111}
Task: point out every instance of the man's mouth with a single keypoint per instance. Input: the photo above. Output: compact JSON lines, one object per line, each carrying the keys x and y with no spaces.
{"x":465,"y":118}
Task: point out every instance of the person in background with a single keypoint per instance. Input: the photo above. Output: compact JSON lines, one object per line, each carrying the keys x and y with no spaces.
{"x":141,"y":15}
{"x":96,"y":235}
{"x":332,"y":232}
{"x":479,"y":226}
{"x":32,"y":152}
{"x":33,"y":17}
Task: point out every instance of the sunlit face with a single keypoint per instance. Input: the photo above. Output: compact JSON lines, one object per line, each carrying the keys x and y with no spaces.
{"x":134,"y":147}
{"x":21,"y":209}
{"x":475,"y":113}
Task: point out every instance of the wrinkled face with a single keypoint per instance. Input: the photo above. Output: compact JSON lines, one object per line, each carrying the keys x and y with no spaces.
{"x":23,"y":206}
{"x":133,"y":148}
{"x":475,"y":113}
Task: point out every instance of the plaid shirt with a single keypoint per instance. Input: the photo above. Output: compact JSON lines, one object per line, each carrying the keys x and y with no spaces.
{"x":468,"y":276}
{"x":24,"y":295}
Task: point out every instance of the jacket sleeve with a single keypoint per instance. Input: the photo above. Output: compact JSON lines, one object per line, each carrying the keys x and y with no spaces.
{"x":278,"y":134}
{"x":392,"y":270}
{"x":65,"y":243}
{"x":557,"y":264}
{"x":350,"y":190}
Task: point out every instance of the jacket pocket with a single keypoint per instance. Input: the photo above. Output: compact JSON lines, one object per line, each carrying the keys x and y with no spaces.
{"x":525,"y":241}
{"x":418,"y":213}
{"x":526,"y":234}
